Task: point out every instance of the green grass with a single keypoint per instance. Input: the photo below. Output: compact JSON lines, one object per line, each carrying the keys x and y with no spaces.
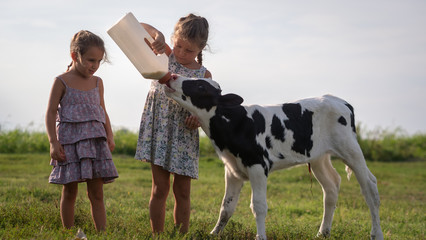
{"x":29,"y":205}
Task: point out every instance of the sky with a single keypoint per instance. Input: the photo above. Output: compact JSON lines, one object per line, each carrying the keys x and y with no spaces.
{"x":370,"y":53}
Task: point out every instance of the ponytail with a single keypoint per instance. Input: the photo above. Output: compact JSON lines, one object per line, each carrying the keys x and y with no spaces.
{"x":69,"y":66}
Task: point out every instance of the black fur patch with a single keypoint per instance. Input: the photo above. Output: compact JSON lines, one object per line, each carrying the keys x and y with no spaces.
{"x":268,"y":142}
{"x":238,"y":135}
{"x":259,"y":120}
{"x":301,"y":125}
{"x":352,"y":117}
{"x":202,"y":94}
{"x":277,"y":129}
{"x":342,"y":121}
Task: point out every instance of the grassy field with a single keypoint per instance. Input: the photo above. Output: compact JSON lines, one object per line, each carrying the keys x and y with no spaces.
{"x":29,"y":205}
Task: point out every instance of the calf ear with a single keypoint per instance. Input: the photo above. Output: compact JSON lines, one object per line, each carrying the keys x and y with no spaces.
{"x":230,"y":100}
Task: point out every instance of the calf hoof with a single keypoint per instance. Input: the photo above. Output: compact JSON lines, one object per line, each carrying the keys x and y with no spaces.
{"x":377,"y":237}
{"x":260,"y":237}
{"x":324,"y":234}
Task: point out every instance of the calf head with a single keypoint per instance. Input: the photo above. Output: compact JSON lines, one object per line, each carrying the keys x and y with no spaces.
{"x":200,"y":96}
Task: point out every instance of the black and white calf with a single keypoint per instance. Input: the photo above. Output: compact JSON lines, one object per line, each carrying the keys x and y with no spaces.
{"x":255,"y":140}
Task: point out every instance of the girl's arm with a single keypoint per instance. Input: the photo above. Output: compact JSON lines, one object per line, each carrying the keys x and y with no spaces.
{"x":107,"y":125}
{"x":159,"y":45}
{"x":208,"y":74}
{"x":56,"y":150}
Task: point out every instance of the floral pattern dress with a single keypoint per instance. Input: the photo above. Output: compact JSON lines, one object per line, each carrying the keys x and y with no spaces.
{"x":164,"y":139}
{"x":82,"y":134}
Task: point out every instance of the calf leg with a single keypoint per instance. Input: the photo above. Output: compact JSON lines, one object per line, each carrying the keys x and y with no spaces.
{"x":368,"y":184}
{"x":233,"y":187}
{"x":329,"y":179}
{"x":259,"y":206}
{"x":353,"y":157}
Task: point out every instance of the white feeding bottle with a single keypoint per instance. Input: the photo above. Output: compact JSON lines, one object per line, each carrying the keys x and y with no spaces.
{"x":134,"y":41}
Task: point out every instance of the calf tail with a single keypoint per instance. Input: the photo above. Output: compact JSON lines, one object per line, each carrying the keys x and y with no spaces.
{"x":349,"y":172}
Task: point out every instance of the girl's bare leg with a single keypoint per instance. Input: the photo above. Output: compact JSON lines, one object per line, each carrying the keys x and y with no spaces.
{"x":69,"y":194}
{"x":95,"y":192}
{"x":159,"y":192}
{"x":182,"y":210}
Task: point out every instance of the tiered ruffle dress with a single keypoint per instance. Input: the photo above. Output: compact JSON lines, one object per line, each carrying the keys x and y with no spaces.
{"x":82,"y":134}
{"x":164,"y":138}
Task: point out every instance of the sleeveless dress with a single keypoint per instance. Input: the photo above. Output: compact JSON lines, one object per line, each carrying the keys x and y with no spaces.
{"x":82,"y":134}
{"x":164,"y":139}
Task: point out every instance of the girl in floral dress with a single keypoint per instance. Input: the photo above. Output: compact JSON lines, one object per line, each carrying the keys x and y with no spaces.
{"x":168,"y":136}
{"x":81,"y":144}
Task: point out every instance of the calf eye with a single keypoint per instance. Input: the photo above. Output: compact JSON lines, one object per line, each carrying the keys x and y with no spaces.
{"x":201,"y":88}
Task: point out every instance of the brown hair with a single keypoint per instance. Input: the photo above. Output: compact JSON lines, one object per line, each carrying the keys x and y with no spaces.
{"x":194,"y":29}
{"x":83,"y":40}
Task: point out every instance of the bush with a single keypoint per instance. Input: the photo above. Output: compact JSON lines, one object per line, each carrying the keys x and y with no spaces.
{"x":23,"y":141}
{"x":125,"y":142}
{"x":377,"y":145}
{"x":387,"y":146}
{"x":206,"y":147}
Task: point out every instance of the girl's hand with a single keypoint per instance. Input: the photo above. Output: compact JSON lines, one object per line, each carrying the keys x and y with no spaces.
{"x":192,"y":122}
{"x":57,"y":152}
{"x":111,"y":143}
{"x":159,"y":44}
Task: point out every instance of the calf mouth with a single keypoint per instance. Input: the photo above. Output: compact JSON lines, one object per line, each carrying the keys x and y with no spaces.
{"x":168,"y":88}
